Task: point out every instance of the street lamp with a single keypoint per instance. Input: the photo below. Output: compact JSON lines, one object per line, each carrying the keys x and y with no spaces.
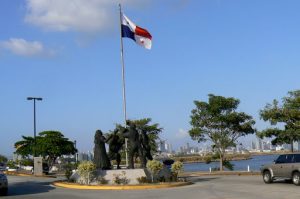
{"x":34,"y":119}
{"x":76,"y":154}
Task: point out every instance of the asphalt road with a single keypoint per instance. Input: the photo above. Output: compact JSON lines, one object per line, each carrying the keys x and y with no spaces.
{"x":208,"y":187}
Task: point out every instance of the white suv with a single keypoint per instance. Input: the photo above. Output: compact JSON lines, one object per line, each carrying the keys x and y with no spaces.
{"x":3,"y":184}
{"x":287,"y":166}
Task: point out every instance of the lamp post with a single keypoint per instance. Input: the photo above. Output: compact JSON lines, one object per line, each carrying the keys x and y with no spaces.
{"x":34,"y":120}
{"x":76,"y":152}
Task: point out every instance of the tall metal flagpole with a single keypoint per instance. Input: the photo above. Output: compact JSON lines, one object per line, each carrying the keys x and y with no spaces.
{"x":123,"y":82}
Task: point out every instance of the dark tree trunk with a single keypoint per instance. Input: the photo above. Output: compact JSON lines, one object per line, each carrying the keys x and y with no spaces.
{"x":221,"y":161}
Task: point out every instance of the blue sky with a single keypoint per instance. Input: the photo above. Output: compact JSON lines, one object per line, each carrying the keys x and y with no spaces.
{"x":69,"y":54}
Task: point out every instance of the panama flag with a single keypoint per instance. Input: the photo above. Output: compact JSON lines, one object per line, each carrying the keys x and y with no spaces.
{"x":139,"y":35}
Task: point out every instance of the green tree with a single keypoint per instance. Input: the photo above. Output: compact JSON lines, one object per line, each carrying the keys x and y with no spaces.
{"x":218,"y":122}
{"x":53,"y":144}
{"x":3,"y":159}
{"x":152,"y":130}
{"x":11,"y":164}
{"x":26,"y":162}
{"x":25,"y":147}
{"x":49,"y":144}
{"x":288,"y":115}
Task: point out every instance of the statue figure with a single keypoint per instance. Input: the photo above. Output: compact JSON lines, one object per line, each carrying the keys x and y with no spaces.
{"x":100,"y":156}
{"x":134,"y":143}
{"x":115,"y":143}
{"x":145,"y":149}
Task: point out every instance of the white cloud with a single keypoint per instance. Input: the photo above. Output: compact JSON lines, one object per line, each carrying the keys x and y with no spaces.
{"x":182,"y":134}
{"x":25,"y":48}
{"x":88,"y":16}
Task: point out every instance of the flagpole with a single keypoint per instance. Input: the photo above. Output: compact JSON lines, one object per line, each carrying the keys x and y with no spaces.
{"x":123,"y":83}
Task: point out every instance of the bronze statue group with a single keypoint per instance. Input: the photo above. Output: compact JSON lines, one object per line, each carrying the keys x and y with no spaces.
{"x":138,"y":146}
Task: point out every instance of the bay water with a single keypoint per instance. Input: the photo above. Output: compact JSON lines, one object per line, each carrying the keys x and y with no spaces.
{"x":254,"y":163}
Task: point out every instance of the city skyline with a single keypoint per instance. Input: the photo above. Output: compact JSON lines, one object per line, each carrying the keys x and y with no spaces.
{"x":71,"y":58}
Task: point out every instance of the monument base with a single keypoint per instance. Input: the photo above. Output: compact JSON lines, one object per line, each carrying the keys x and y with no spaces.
{"x":120,"y":176}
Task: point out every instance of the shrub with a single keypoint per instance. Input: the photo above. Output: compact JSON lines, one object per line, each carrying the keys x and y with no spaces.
{"x":120,"y":178}
{"x":11,"y":164}
{"x":207,"y":159}
{"x":3,"y":159}
{"x":68,"y":174}
{"x":215,"y":169}
{"x":228,"y":165}
{"x":162,"y":179}
{"x":176,"y":168}
{"x":85,"y":170}
{"x":154,"y":166}
{"x":142,"y":180}
{"x":102,"y":180}
{"x":68,"y":171}
{"x":26,"y":162}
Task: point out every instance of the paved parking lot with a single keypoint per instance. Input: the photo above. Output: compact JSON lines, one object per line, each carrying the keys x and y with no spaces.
{"x":208,"y":187}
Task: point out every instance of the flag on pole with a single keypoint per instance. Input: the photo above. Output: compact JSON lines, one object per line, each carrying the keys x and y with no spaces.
{"x":139,"y":35}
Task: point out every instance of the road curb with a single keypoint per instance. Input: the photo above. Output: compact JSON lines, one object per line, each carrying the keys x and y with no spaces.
{"x":27,"y":175}
{"x":119,"y":187}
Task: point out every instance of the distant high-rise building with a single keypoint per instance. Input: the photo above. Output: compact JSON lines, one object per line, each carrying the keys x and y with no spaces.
{"x":253,"y":145}
{"x":266,"y":145}
{"x":286,"y":146}
{"x":259,"y":144}
{"x":16,"y":157}
{"x":188,"y":148}
{"x":162,"y":146}
{"x":181,"y":149}
{"x":90,"y":156}
{"x":82,"y":156}
{"x":171,"y":149}
{"x":168,"y":147}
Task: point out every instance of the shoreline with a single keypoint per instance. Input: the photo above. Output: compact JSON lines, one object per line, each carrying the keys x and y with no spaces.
{"x":231,"y":157}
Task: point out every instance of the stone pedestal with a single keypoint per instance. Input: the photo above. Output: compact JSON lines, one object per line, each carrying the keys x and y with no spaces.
{"x":130,"y":175}
{"x":38,"y":166}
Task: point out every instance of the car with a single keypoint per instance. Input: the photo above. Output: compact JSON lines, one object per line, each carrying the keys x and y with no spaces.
{"x":3,"y":184}
{"x":286,"y":166}
{"x":2,"y":167}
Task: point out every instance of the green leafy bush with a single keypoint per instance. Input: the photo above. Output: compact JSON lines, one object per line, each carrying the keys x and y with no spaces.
{"x":120,"y":178}
{"x":85,"y":170}
{"x":228,"y":165}
{"x":11,"y":164}
{"x":68,"y":170}
{"x":68,"y":174}
{"x":161,"y":179}
{"x":207,"y":159}
{"x":176,"y":168}
{"x":142,"y":180}
{"x":154,"y":167}
{"x":27,"y":162}
{"x":102,"y":180}
{"x":3,"y":159}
